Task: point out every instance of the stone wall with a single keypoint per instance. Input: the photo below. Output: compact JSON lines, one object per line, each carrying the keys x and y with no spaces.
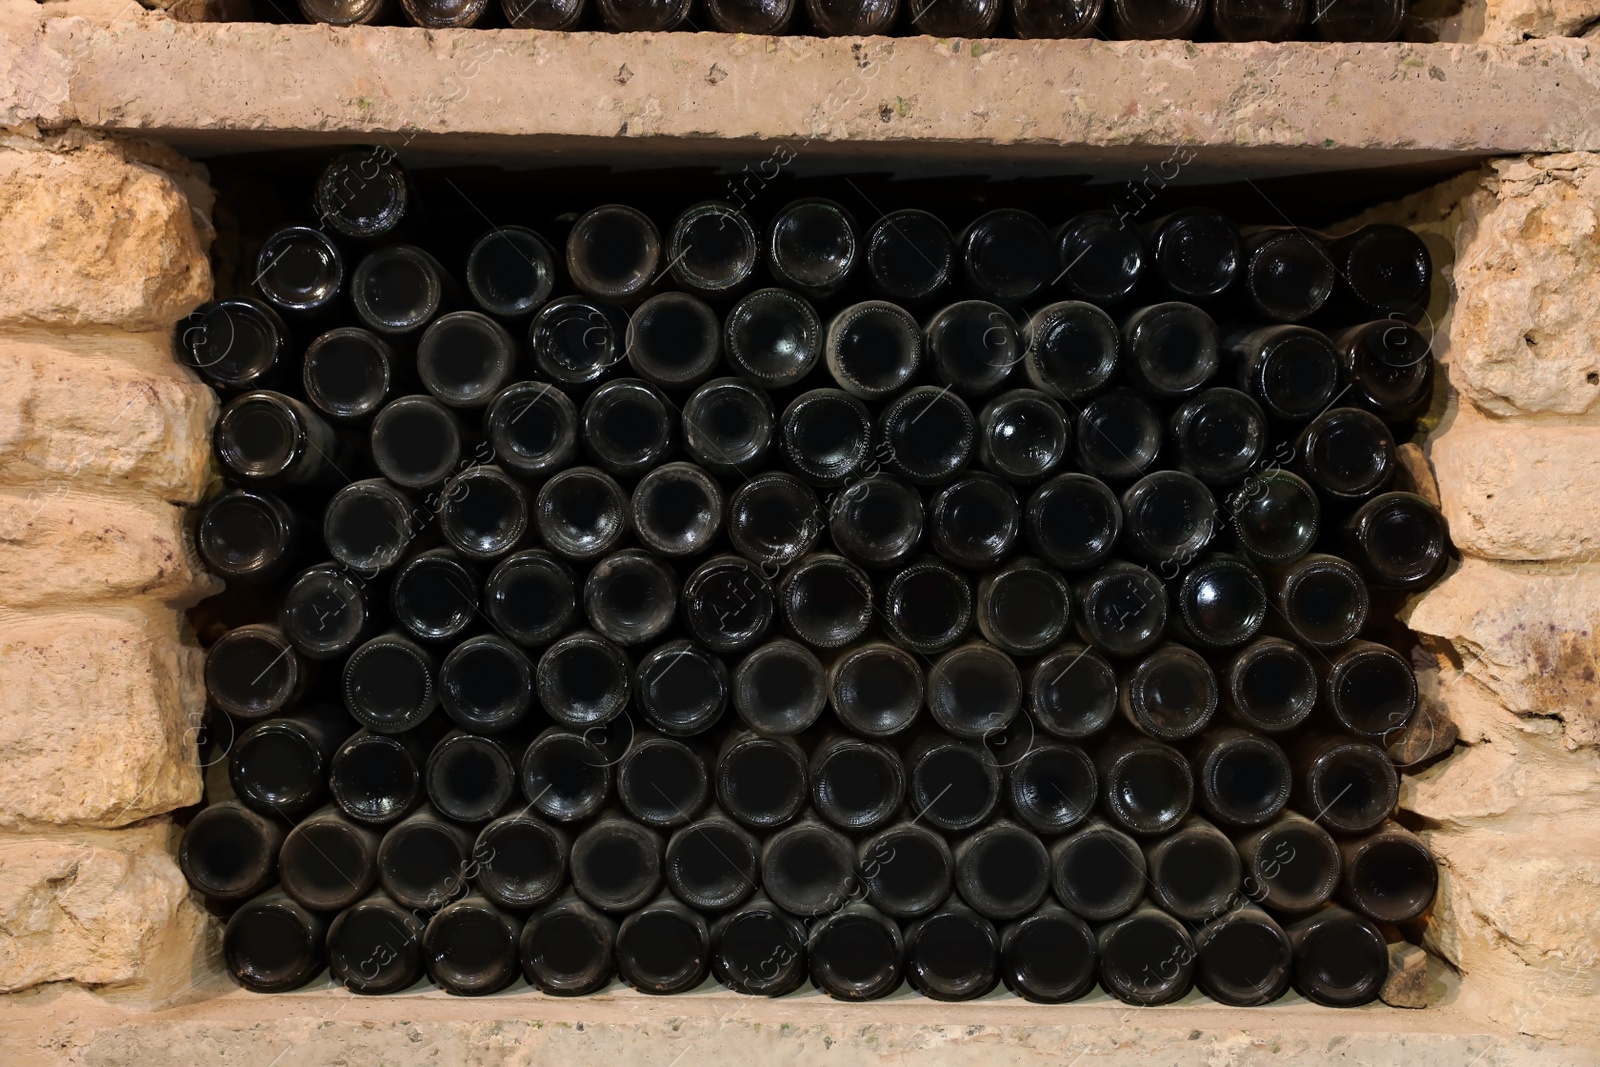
{"x":103,"y":443}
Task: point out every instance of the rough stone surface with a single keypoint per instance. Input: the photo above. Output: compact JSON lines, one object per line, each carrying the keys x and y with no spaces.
{"x":103,"y":909}
{"x":1512,"y":21}
{"x":99,"y":714}
{"x":88,"y":237}
{"x":68,"y":421}
{"x":1518,"y":490}
{"x":1407,"y":986}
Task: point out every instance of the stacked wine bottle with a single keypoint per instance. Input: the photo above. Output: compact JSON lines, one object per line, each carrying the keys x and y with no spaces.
{"x":1219,"y":20}
{"x":959,"y":609}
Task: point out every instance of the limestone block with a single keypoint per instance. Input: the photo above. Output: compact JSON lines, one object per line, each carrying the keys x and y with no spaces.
{"x":99,"y":714}
{"x":1523,"y":337}
{"x":1527,"y":634}
{"x":1514,"y":21}
{"x":104,"y":909}
{"x":59,"y":545}
{"x":105,"y":423}
{"x":1512,"y":490}
{"x":1407,"y":986}
{"x":89,"y":237}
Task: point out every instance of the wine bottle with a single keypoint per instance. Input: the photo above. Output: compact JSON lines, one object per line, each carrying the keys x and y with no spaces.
{"x":1194,"y":871}
{"x":377,"y":778}
{"x":485,"y":513}
{"x":1052,"y":787}
{"x":1071,"y":349}
{"x":663,"y":781}
{"x":486,"y":684}
{"x":974,"y":690}
{"x":773,"y":337}
{"x":1358,"y":20}
{"x":872,"y":349}
{"x":761,"y":17}
{"x":522,"y":862}
{"x":1169,"y":350}
{"x":344,"y":13}
{"x":727,"y":604}
{"x":1321,"y":600}
{"x":229,"y":852}
{"x":1118,"y":436}
{"x":567,"y":949}
{"x":826,"y":601}
{"x":907,"y":870}
{"x":1072,"y":692}
{"x":876,"y":689}
{"x":565,"y":777}
{"x":577,"y":341}
{"x":852,"y":18}
{"x":676,"y":509}
{"x":1170,"y":694}
{"x":252,"y":672}
{"x":953,"y":954}
{"x":399,"y":289}
{"x":1276,"y":517}
{"x":1122,"y":609}
{"x":326,"y":612}
{"x":299,"y":270}
{"x":1369,"y":689}
{"x":583,"y":680}
{"x":388,"y":684}
{"x":712,"y":864}
{"x":271,"y":944}
{"x":1002,"y":871}
{"x":826,"y":436}
{"x":423,"y":860}
{"x":1146,"y":957}
{"x":614,"y":251}
{"x":1269,"y":686}
{"x":616,"y":864}
{"x":511,"y":271}
{"x":630,"y":597}
{"x":1023,"y":435}
{"x":1098,"y":872}
{"x":533,"y":429}
{"x":1007,"y":256}
{"x":328,"y":862}
{"x":712,"y":250}
{"x":808,"y":868}
{"x":1146,"y":787}
{"x":470,"y":947}
{"x":1288,"y":274}
{"x":1220,"y":602}
{"x":464,"y":358}
{"x":774,"y":519}
{"x":954,"y":784}
{"x":581,"y":513}
{"x":1024,"y":607}
{"x":1073,"y":521}
{"x":1340,"y":959}
{"x":1347,"y":453}
{"x":416,"y":442}
{"x":974,"y":520}
{"x":759,"y":950}
{"x":1242,"y":958}
{"x":248,"y":536}
{"x":1346,"y":783}
{"x":1257,"y":20}
{"x":628,"y":427}
{"x":779,"y":688}
{"x":1400,"y":540}
{"x":957,"y":18}
{"x":373,"y":946}
{"x":857,"y":785}
{"x":1291,"y":865}
{"x":681,"y":688}
{"x":362,"y":193}
{"x":674,"y":339}
{"x":235,"y":344}
{"x":271,"y":440}
{"x":972,"y":346}
{"x":349,"y":373}
{"x":1168,"y":518}
{"x":469,"y":778}
{"x":434,"y":596}
{"x":877,"y":521}
{"x":1195,"y":253}
{"x":1218,"y":436}
{"x":1293,"y":372}
{"x":367,"y":526}
{"x":929,"y":434}
{"x":1388,"y":876}
{"x":1385,"y":271}
{"x":857,"y":952}
{"x":1244,"y":778}
{"x":728,"y":425}
{"x":531,"y":597}
{"x":761,"y":782}
{"x":280,"y":766}
{"x":811,"y":244}
{"x":1048,"y":957}
{"x":927,"y":607}
{"x":910,"y":257}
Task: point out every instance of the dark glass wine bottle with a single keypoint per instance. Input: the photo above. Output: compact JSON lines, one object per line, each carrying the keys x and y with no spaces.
{"x":377,"y":778}
{"x":1368,"y":689}
{"x":974,"y":690}
{"x":1170,"y":694}
{"x":1242,"y":958}
{"x":774,"y":519}
{"x":727,"y":604}
{"x":1146,"y":787}
{"x":581,"y":513}
{"x":422,"y":860}
{"x":927,"y":607}
{"x":229,"y":852}
{"x":1358,"y":20}
{"x":1195,"y":254}
{"x":674,"y":339}
{"x":1218,"y":436}
{"x":663,"y":781}
{"x":399,"y":289}
{"x":954,"y":784}
{"x":807,"y":868}
{"x":1340,"y":959}
{"x":761,"y":781}
{"x":1244,"y":779}
{"x":1400,"y":540}
{"x":1118,"y":436}
{"x":1276,"y":517}
{"x":1073,"y":521}
{"x":248,"y":536}
{"x":1023,"y":607}
{"x":434,"y":596}
{"x":271,"y":944}
{"x":1048,"y":957}
{"x":1385,"y":271}
{"x":1072,"y":692}
{"x":533,"y":429}
{"x":872,"y":349}
{"x":328,"y":862}
{"x":1288,"y":274}
{"x":486,"y":684}
{"x":876,"y":689}
{"x":681,"y":688}
{"x":877,"y":521}
{"x":974,"y":520}
{"x":1291,"y":865}
{"x":235,"y":344}
{"x":577,"y":341}
{"x":1023,"y":436}
{"x":1169,"y":350}
{"x":1257,"y":20}
{"x":630,"y":597}
{"x":910,"y":257}
{"x":1348,"y":784}
{"x":566,"y":775}
{"x":416,"y":442}
{"x":907,"y":870}
{"x":252,"y":672}
{"x":1071,"y":349}
{"x":972,"y":346}
{"x":469,"y":778}
{"x":762,"y":17}
{"x":300,"y":270}
{"x":367,"y":526}
{"x":712,"y":250}
{"x":1002,"y":871}
{"x":470,"y":947}
{"x":772,"y":337}
{"x":956,"y":18}
{"x":617,"y":864}
{"x":1293,"y":372}
{"x":779,"y":688}
{"x":713,"y":863}
{"x":362,"y":193}
{"x":373,"y":946}
{"x":1008,"y":256}
{"x":1122,"y":609}
{"x":759,"y":950}
{"x":349,"y":373}
{"x":614,"y":251}
{"x":388,"y":684}
{"x":953,"y":954}
{"x":1146,"y":957}
{"x":531,"y":597}
{"x":857,"y":785}
{"x":1389,"y":876}
{"x":1168,"y":518}
{"x":856,"y":953}
{"x":1269,"y":686}
{"x":272,"y":440}
{"x":465,"y":358}
{"x":1347,"y":453}
{"x":852,"y":18}
{"x":826,"y":601}
{"x":676,"y":509}
{"x":567,"y":949}
{"x":485,"y":513}
{"x":280,"y":766}
{"x":811,"y":244}
{"x":511,"y":271}
{"x":1220,"y":602}
{"x":1194,"y":871}
{"x":628,"y":427}
{"x":1098,"y":872}
{"x":728,"y":425}
{"x":1102,"y":257}
{"x":1321,"y":601}
{"x":826,"y":436}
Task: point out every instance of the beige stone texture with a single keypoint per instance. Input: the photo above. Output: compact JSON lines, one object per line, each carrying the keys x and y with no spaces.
{"x":108,"y":910}
{"x":1514,"y":21}
{"x":101,"y":423}
{"x":1407,"y":986}
{"x":99,"y":714}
